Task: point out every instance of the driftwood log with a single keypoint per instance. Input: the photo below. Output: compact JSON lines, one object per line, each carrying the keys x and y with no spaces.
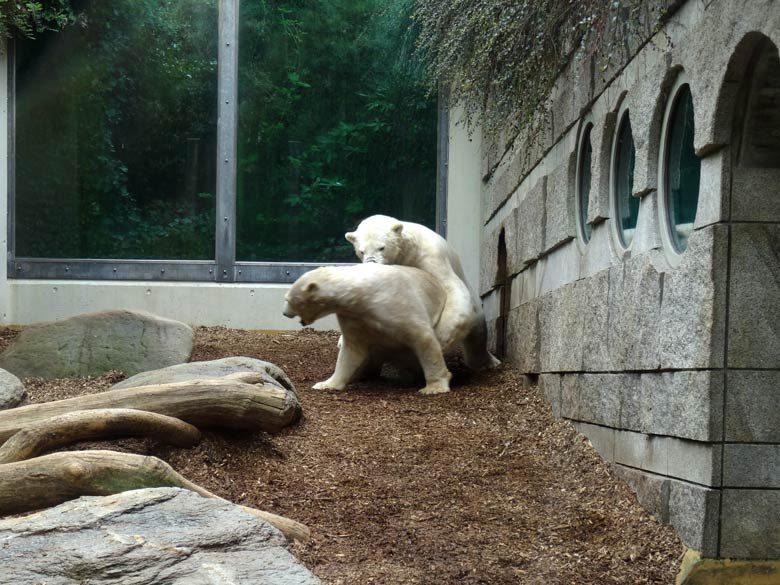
{"x":52,"y":479}
{"x":227,"y":402}
{"x":66,"y":429}
{"x":164,"y":411}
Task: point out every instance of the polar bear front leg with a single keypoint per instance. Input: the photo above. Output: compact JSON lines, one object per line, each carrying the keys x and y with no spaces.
{"x":351,"y":359}
{"x":428,"y":351}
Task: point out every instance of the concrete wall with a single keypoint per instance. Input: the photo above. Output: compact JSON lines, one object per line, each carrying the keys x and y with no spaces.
{"x":670,"y":365}
{"x":464,"y":186}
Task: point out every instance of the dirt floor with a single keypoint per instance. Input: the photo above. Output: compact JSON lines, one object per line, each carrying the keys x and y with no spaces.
{"x":478,"y":486}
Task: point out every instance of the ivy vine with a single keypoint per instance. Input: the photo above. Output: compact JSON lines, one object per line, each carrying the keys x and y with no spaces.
{"x":500,"y":59}
{"x":31,"y":18}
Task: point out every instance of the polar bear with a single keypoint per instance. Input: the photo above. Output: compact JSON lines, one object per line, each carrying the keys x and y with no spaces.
{"x":385,"y":240}
{"x":375,"y":327}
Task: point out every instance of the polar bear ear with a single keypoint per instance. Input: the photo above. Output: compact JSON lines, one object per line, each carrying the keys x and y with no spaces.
{"x":397,"y":228}
{"x":351,"y":237}
{"x":311,"y":287}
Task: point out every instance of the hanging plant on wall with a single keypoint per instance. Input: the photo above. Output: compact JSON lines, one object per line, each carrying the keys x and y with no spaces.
{"x":500,"y":58}
{"x":31,"y":18}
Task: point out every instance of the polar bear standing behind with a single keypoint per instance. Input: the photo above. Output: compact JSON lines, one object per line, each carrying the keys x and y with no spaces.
{"x":386,"y":240}
{"x":374,"y":326}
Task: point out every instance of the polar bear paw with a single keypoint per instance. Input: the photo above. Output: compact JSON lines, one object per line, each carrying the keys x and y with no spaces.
{"x":438,"y":387}
{"x":327,"y":385}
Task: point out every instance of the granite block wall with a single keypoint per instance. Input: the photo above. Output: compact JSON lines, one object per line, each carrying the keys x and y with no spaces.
{"x":669,"y":363}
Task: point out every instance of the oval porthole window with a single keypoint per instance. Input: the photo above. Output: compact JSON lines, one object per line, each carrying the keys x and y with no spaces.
{"x":584,"y":176}
{"x":626,"y":206}
{"x":682,"y":171}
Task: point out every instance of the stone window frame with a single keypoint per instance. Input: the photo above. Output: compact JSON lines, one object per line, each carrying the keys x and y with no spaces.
{"x":587,"y":127}
{"x":672,"y":254}
{"x":616,"y":235}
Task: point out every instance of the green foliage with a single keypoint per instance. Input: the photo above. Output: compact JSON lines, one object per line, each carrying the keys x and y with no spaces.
{"x":500,"y":58}
{"x":30,"y":18}
{"x":112,"y":110}
{"x":335,"y":123}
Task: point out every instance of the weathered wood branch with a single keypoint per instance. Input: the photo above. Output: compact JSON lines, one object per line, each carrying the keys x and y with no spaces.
{"x":81,"y":425}
{"x":58,"y":477}
{"x":227,"y":403}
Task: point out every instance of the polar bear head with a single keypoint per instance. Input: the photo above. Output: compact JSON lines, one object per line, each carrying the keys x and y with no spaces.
{"x":306,"y":300}
{"x":378,"y":239}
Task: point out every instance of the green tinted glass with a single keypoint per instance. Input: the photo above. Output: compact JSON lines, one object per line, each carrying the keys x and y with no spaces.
{"x":583,"y":188}
{"x":334,"y":125}
{"x":116,"y":133}
{"x":627,"y":206}
{"x":682,"y":172}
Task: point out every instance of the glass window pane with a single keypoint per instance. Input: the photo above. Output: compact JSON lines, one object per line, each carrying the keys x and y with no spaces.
{"x":627,"y":205}
{"x":583,"y":188}
{"x":334,"y":125}
{"x":682,"y":171}
{"x":116,"y":133}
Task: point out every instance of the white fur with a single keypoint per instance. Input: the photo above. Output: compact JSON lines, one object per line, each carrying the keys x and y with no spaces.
{"x":375,"y":327}
{"x":385,"y":240}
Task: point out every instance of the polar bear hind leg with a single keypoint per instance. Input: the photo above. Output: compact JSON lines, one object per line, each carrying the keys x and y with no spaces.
{"x":474,"y":345}
{"x":427,"y":349}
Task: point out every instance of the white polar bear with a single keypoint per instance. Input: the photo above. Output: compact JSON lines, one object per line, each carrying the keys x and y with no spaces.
{"x":386,"y":240}
{"x":375,"y":327}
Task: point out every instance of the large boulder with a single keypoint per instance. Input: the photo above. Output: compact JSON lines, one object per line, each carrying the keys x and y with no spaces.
{"x":11,"y":390}
{"x":273,"y":374}
{"x":92,"y":344}
{"x":161,"y":535}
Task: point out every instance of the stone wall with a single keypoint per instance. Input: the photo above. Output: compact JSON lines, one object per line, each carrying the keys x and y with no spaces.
{"x":671,"y":368}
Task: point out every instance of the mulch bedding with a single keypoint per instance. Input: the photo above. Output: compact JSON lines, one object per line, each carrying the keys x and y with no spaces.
{"x":479,"y":486}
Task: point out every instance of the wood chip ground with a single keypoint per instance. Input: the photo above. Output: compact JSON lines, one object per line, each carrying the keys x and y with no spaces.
{"x":479,"y":486}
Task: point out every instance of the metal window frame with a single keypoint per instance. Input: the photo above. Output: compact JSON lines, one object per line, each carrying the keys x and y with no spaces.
{"x":224,"y":268}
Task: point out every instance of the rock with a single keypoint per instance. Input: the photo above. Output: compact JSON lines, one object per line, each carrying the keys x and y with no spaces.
{"x":210,"y":369}
{"x":92,"y":344}
{"x":161,"y":535}
{"x":11,"y":390}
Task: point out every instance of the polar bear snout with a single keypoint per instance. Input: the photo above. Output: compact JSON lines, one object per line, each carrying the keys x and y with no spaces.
{"x":288,"y":311}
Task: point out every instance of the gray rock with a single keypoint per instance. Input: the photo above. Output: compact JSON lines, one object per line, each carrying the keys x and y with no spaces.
{"x":601,"y":142}
{"x":91,"y":344}
{"x":651,"y":491}
{"x":752,"y":414}
{"x":488,"y":266}
{"x":522,"y":337}
{"x":693,"y":309}
{"x":694,"y":513}
{"x":530,"y":223}
{"x":550,"y":385}
{"x":595,"y":330}
{"x":559,"y":210}
{"x":750,"y":526}
{"x":687,"y":404}
{"x":561,"y":322}
{"x":754,"y":308}
{"x":211,"y":369}
{"x":162,"y":535}
{"x":634,"y":310}
{"x":597,"y":398}
{"x":11,"y":390}
{"x":601,"y":438}
{"x":751,"y":466}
